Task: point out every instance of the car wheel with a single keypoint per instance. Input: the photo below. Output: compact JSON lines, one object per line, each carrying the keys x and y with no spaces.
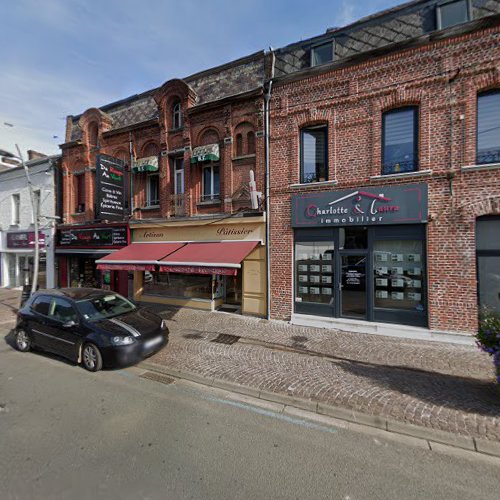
{"x":91,"y":358}
{"x":23,"y":342}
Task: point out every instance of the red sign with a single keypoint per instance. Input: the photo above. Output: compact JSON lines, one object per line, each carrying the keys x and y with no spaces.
{"x":24,"y":239}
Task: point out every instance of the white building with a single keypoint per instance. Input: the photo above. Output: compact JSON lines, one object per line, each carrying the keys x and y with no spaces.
{"x":17,"y":236}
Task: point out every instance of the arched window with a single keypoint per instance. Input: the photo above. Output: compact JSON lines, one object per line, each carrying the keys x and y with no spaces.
{"x":250,"y":143}
{"x":176,"y":115}
{"x":151,"y":149}
{"x":239,"y":145}
{"x":93,"y":132}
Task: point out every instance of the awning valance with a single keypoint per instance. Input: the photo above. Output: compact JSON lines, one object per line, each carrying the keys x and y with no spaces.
{"x":210,"y":152}
{"x":137,"y":256}
{"x":225,"y":271}
{"x":146,"y":164}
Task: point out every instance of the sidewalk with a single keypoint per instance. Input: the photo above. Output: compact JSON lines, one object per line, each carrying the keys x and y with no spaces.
{"x":436,"y":386}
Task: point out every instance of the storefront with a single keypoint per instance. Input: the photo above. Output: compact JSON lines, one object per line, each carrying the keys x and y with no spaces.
{"x":77,"y":250}
{"x":18,"y":258}
{"x":360,"y":254}
{"x":201,"y":264}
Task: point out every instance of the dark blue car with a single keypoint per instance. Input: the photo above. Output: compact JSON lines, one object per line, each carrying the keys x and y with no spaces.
{"x":93,"y":327}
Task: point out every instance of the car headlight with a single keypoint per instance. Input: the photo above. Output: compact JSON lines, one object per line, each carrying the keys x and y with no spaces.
{"x":163,"y":324}
{"x":119,"y":340}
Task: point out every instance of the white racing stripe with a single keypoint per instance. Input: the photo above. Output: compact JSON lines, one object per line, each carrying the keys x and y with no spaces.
{"x":127,"y":327}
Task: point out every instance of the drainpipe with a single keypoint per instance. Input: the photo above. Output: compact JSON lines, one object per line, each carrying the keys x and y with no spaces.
{"x":131,"y":175}
{"x":267,"y":100}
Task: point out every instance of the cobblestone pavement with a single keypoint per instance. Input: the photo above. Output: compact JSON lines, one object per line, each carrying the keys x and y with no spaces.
{"x":441,"y":386}
{"x":431,"y":384}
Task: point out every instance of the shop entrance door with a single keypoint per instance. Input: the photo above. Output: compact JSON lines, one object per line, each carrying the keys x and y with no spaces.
{"x":353,"y":285}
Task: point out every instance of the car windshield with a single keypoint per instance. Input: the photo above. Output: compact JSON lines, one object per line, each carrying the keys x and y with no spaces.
{"x":104,"y":306}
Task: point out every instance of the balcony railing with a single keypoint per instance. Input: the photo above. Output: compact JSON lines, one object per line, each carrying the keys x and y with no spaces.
{"x":178,"y":206}
{"x":488,"y":156}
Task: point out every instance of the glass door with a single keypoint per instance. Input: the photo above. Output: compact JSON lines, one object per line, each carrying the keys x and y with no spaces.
{"x":353,"y":286}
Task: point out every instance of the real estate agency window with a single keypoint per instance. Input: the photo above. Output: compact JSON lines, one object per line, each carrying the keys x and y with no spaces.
{"x":322,"y":54}
{"x":400,"y":140}
{"x":313,"y":154}
{"x":80,"y":192}
{"x":488,"y":128}
{"x":153,"y":190}
{"x":450,"y":13}
{"x":210,"y":183}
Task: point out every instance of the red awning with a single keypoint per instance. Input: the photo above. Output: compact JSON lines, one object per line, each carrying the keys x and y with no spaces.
{"x":137,"y":257}
{"x":208,"y":258}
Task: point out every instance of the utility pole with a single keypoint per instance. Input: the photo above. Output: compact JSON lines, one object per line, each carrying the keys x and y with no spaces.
{"x":36,"y":259}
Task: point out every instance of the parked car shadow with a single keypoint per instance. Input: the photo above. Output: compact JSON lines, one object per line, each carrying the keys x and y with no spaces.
{"x":165,"y":311}
{"x":458,"y":393}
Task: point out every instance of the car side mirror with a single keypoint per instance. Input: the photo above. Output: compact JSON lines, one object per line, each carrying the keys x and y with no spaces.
{"x":69,"y":324}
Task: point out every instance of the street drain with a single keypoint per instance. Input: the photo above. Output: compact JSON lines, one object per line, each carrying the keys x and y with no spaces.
{"x":157,"y":377}
{"x":224,"y":338}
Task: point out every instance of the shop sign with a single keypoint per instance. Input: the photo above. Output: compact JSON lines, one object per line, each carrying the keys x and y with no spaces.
{"x":361,"y":207}
{"x":210,"y":152}
{"x":24,"y":239}
{"x":110,"y":186}
{"x":93,"y":237}
{"x":146,"y":164}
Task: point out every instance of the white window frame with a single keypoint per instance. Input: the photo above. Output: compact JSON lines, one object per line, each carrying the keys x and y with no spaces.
{"x":149,"y":200}
{"x":178,"y":169}
{"x":177,"y":116}
{"x":212,"y":196}
{"x":439,"y":19}
{"x":16,"y":209}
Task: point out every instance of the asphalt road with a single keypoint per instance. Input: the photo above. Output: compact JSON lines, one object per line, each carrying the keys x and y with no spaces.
{"x":66,"y":433}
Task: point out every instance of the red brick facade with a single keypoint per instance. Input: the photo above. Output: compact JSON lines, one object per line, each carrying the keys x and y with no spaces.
{"x":442,"y":78}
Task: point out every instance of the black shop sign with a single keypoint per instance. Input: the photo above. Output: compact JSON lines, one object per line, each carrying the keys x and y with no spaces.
{"x":405,"y":204}
{"x":93,"y":237}
{"x":110,"y":186}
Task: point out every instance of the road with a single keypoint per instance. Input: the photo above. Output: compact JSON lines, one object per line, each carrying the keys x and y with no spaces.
{"x":66,"y":433}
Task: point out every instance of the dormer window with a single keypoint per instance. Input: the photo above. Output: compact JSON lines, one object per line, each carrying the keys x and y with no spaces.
{"x":322,"y":54}
{"x":451,"y":13}
{"x":93,"y":134}
{"x":176,"y":115}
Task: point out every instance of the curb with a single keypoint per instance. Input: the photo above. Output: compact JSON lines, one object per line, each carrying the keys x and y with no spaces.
{"x":431,"y":436}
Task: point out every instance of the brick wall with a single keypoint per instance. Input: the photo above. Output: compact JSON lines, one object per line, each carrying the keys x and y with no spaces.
{"x":442,"y":79}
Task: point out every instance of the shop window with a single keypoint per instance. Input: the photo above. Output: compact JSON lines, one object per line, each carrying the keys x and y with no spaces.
{"x":176,"y":115}
{"x":80,"y":193}
{"x":250,"y":143}
{"x":211,"y":183}
{"x":399,"y":275}
{"x":153,"y":190}
{"x":313,"y":154}
{"x":451,"y":13}
{"x":189,"y":286}
{"x":239,"y":145}
{"x":400,"y":140}
{"x":314,"y":268}
{"x":16,"y":209}
{"x":322,"y":54}
{"x":488,"y":130}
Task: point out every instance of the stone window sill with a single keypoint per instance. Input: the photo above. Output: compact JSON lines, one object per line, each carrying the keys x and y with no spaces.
{"x":244,"y":157}
{"x":313,"y":184}
{"x":150,"y":207}
{"x":403,"y":175}
{"x":76,"y":214}
{"x":208,"y":203}
{"x":486,"y":166}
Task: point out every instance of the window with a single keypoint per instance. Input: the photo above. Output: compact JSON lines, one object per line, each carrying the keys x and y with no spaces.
{"x":41,"y":305}
{"x":16,"y":207}
{"x":153,"y":191}
{"x":399,"y":140}
{"x":36,"y":199}
{"x":452,"y":13}
{"x":178,"y":285}
{"x":93,"y":134}
{"x":80,"y":193}
{"x":61,"y":310}
{"x":211,"y":183}
{"x":313,"y":155}
{"x":178,"y":175}
{"x":488,"y":128}
{"x":251,"y":143}
{"x":177,"y":115}
{"x":322,"y":54}
{"x":239,"y":145}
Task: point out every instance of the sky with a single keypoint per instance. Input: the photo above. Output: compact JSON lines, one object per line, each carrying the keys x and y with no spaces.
{"x":61,"y":57}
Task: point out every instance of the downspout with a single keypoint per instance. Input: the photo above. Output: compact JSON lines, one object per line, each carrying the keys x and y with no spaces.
{"x":131,"y":176}
{"x":267,"y":125}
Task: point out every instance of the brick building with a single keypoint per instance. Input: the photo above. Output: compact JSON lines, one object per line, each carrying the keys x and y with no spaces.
{"x":189,"y":147}
{"x":385,"y":172}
